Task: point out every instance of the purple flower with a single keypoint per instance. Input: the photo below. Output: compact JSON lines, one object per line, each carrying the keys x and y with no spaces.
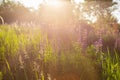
{"x":98,"y":45}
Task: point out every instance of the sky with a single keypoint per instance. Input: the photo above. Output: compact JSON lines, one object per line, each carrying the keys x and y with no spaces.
{"x":31,"y":3}
{"x":116,"y":13}
{"x":35,"y":3}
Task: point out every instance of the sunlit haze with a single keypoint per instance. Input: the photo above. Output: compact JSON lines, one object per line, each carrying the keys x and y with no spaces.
{"x":59,"y":39}
{"x":59,"y":4}
{"x":35,"y":3}
{"x":31,"y":3}
{"x":78,"y":1}
{"x":54,"y":3}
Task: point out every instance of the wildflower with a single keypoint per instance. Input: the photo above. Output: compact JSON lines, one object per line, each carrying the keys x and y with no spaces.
{"x":98,"y":45}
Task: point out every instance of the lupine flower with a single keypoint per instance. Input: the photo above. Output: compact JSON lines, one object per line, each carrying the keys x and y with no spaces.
{"x":98,"y":45}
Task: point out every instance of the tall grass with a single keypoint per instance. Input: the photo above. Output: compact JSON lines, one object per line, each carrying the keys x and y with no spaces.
{"x":111,"y":67}
{"x":1,"y":76}
{"x":28,"y":53}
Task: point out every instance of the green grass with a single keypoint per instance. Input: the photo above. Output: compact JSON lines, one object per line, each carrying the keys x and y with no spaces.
{"x":111,"y":67}
{"x":28,"y":54}
{"x":1,"y":75}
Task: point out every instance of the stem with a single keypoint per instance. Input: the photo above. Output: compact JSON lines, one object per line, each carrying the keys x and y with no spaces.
{"x":8,"y":66}
{"x":25,"y":74}
{"x":2,"y":20}
{"x":36,"y":74}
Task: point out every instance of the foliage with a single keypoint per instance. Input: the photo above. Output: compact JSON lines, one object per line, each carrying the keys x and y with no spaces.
{"x":111,"y":67}
{"x":10,"y":12}
{"x":1,"y":75}
{"x":53,"y":50}
{"x":28,"y":53}
{"x":100,"y":9}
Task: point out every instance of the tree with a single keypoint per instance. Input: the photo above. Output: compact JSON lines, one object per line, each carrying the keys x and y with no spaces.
{"x":97,"y":8}
{"x":12,"y":11}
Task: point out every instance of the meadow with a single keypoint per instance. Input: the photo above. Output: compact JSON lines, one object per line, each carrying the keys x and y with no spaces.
{"x":32,"y":52}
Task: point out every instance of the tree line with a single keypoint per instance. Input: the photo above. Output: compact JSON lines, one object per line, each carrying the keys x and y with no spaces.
{"x":11,"y":11}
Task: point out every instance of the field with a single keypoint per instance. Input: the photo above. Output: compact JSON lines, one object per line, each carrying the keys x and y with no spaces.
{"x":31,"y":52}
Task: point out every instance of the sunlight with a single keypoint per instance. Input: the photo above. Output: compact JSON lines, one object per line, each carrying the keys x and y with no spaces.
{"x":31,"y":3}
{"x":78,"y":1}
{"x":91,"y":17}
{"x":54,"y":3}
